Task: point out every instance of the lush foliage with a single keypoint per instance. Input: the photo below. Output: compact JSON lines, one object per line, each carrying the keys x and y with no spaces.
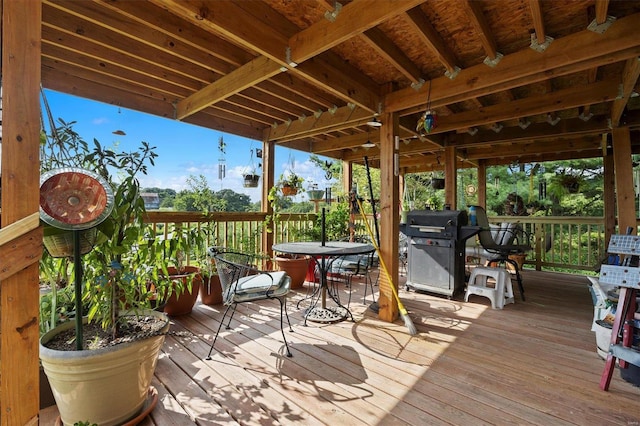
{"x":114,"y":275}
{"x":336,"y":224}
{"x":199,"y":197}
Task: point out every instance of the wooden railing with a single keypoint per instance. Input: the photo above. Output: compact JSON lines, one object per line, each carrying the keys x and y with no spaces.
{"x":571,"y":244}
{"x":237,"y":230}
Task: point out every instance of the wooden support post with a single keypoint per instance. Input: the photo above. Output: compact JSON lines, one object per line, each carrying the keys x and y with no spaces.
{"x":389,"y":216}
{"x":609,"y":193}
{"x":450,"y":177}
{"x":19,"y":293}
{"x":482,"y":183}
{"x":268,"y":181}
{"x":625,"y":194}
{"x":347,"y":178}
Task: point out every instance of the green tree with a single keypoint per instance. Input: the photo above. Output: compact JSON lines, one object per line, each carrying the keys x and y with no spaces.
{"x":198,"y":197}
{"x":232,"y":201}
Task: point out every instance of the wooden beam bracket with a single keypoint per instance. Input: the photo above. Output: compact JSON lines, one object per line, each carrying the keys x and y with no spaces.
{"x":601,"y":28}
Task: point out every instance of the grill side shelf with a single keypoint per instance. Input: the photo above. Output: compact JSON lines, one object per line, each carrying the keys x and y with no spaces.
{"x":623,"y":276}
{"x":624,"y":244}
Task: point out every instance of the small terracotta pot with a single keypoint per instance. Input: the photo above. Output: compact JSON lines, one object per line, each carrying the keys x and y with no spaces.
{"x":211,"y":290}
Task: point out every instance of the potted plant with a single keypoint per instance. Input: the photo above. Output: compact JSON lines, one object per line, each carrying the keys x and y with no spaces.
{"x":295,"y":266}
{"x":112,"y":351}
{"x":211,"y":289}
{"x":290,"y":183}
{"x":177,"y":282}
{"x":568,"y":181}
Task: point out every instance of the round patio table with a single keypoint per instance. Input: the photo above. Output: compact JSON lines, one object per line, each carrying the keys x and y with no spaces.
{"x":324,"y":253}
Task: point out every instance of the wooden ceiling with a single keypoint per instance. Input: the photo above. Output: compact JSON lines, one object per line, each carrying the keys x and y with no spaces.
{"x":510,"y":80}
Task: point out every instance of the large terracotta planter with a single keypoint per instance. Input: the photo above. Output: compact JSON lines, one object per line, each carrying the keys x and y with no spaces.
{"x":211,"y":290}
{"x":181,"y":303}
{"x":104,"y":386}
{"x":295,"y":267}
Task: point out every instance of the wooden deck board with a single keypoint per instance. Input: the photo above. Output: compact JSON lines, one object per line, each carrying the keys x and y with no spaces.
{"x":532,"y":362}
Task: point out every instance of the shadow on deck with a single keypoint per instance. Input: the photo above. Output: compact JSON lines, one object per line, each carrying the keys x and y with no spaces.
{"x":533,"y":362}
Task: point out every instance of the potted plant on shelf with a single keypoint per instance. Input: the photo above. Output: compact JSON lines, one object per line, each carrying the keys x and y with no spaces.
{"x":290,"y":183}
{"x":314,"y":193}
{"x":114,"y":349}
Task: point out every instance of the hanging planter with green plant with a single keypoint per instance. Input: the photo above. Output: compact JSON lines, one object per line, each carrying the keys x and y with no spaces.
{"x":290,"y":183}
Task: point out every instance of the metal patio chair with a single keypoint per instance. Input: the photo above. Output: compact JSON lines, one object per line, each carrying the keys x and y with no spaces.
{"x":242,"y":282}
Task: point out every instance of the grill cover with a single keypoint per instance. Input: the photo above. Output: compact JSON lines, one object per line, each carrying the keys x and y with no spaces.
{"x":445,"y":224}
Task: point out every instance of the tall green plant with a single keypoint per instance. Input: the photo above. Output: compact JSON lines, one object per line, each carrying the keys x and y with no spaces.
{"x":114,"y":275}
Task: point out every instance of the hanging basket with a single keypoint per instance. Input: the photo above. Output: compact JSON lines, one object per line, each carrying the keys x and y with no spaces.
{"x":437,"y":183}
{"x":251,"y":180}
{"x":572,"y":187}
{"x":289,"y":190}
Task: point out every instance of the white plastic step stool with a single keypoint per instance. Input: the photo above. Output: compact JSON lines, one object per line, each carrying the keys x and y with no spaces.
{"x":500,"y":293}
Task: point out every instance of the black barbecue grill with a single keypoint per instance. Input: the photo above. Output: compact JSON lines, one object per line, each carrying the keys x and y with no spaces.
{"x":436,"y":250}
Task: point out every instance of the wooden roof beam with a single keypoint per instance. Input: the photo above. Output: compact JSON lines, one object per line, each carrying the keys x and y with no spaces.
{"x":538,"y":21}
{"x":539,"y":158}
{"x":230,"y":20}
{"x":566,"y":55}
{"x":326,"y":121}
{"x":481,"y":26}
{"x":540,"y":104}
{"x":354,"y":19}
{"x":538,"y":131}
{"x":161,"y":31}
{"x":419,"y":21}
{"x":602,"y":9}
{"x":577,"y":144}
{"x":390,"y":52}
{"x":630,"y":76}
{"x":250,"y":74}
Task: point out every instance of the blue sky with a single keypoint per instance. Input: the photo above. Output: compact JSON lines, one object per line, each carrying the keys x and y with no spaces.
{"x":183,"y":149}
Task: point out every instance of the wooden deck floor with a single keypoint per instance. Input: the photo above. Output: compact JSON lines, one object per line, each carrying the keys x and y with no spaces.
{"x":533,"y":362}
